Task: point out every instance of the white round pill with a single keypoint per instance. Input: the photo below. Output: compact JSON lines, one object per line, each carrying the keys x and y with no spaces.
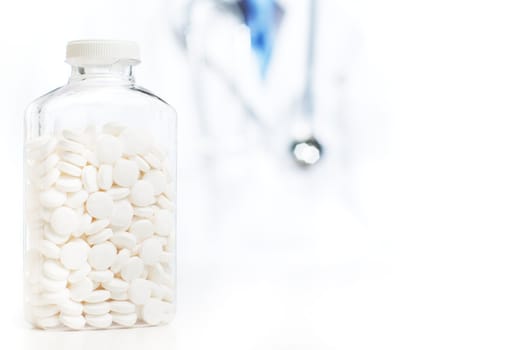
{"x":91,"y":158}
{"x":118,"y":193}
{"x":34,"y":221}
{"x":144,"y":212}
{"x":33,"y":261}
{"x":119,"y":296}
{"x":68,"y":184}
{"x":33,"y":289}
{"x":69,"y":169}
{"x":129,"y":140}
{"x":167,"y":293}
{"x":81,"y":289}
{"x":142,"y":229}
{"x":36,"y":143}
{"x":157,"y":291}
{"x":163,"y":222}
{"x":116,"y":285}
{"x":35,"y":172}
{"x":108,"y":149}
{"x":74,"y":158}
{"x":100,"y":276}
{"x":132,"y":269}
{"x":45,"y":310}
{"x":122,"y":214}
{"x":76,"y":199}
{"x":50,"y":162}
{"x":45,"y":214}
{"x":104,"y":177}
{"x":124,"y":240}
{"x":49,"y":179}
{"x":164,"y":202}
{"x":166,"y":257}
{"x":102,"y":321}
{"x":113,"y":128}
{"x":135,"y":142}
{"x":49,"y":249}
{"x":88,"y":179}
{"x":153,"y":311}
{"x":126,"y":173}
{"x":73,"y":134}
{"x":76,"y":134}
{"x":141,"y":194}
{"x":139,"y":291}
{"x":122,"y":307}
{"x":100,"y":237}
{"x":96,"y":226}
{"x":74,"y":254}
{"x":90,"y":134}
{"x":48,"y":148}
{"x":73,"y":322}
{"x":101,"y":256}
{"x":71,"y":146}
{"x":55,"y":238}
{"x":80,"y":273}
{"x":150,"y":251}
{"x":126,"y":320}
{"x":100,"y":205}
{"x":48,"y":322}
{"x":64,"y":221}
{"x":157,"y":179}
{"x":52,"y":198}
{"x":57,"y":297}
{"x":157,"y":274}
{"x":152,"y":160}
{"x":98,"y":296}
{"x":100,"y":308}
{"x":54,"y":270}
{"x":71,"y":308}
{"x":50,"y":285}
{"x":121,"y":259}
{"x":142,"y":165}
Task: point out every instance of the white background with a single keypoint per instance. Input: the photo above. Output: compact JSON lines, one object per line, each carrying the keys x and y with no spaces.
{"x":412,"y":243}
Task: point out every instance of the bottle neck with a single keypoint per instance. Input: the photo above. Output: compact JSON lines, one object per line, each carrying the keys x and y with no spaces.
{"x":116,"y":73}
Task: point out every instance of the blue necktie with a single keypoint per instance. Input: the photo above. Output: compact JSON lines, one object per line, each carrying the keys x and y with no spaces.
{"x":260,"y":17}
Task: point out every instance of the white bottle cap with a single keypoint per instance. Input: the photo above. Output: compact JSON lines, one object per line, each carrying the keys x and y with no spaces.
{"x":102,"y":52}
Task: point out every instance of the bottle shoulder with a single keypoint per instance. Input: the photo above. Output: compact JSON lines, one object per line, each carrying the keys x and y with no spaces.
{"x":41,"y":101}
{"x":141,"y":90}
{"x":82,"y":95}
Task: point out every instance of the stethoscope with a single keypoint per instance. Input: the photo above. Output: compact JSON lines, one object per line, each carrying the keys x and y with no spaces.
{"x":304,"y":148}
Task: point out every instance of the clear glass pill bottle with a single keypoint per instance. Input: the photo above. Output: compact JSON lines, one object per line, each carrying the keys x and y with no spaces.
{"x":100,"y":192}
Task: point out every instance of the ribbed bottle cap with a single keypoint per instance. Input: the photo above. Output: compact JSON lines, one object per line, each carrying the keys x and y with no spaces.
{"x":94,"y":52}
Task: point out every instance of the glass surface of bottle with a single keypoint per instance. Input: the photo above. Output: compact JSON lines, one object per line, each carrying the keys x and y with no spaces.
{"x":100,"y":197}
